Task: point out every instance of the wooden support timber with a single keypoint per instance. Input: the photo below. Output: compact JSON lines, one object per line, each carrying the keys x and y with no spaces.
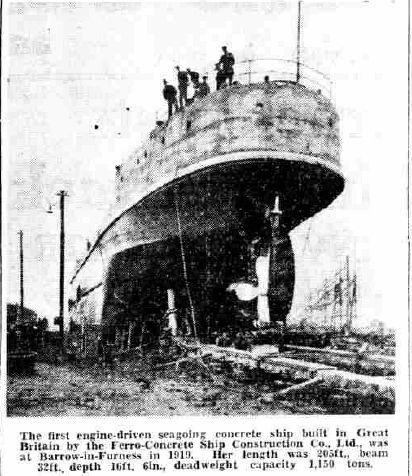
{"x":351,"y":359}
{"x":305,"y":373}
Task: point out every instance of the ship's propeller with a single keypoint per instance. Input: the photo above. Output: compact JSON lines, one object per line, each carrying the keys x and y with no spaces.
{"x":267,"y":270}
{"x":247,"y":292}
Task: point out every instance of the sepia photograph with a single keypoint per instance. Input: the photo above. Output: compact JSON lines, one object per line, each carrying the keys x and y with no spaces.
{"x":205,"y":207}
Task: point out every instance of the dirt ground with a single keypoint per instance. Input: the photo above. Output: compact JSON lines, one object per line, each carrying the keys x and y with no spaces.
{"x":152,"y":385}
{"x":131,"y":388}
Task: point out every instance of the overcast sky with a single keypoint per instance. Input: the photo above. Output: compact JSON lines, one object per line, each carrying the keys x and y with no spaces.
{"x":71,"y":66}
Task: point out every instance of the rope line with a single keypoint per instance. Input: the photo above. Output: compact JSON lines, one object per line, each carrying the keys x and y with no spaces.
{"x":183,"y":256}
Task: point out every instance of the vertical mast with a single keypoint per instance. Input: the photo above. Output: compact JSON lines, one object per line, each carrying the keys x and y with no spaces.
{"x":340,"y":303}
{"x":324,"y":297}
{"x":354,"y":298}
{"x":298,"y":44}
{"x":348,"y":298}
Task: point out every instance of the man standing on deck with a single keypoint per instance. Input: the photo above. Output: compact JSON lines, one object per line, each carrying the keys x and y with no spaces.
{"x":203,"y":89}
{"x":169,"y":93}
{"x":194,"y":77}
{"x":220,"y":77}
{"x":183,"y":80}
{"x":227,"y":61}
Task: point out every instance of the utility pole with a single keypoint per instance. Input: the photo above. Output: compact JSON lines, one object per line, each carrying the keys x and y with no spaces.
{"x":298,"y":44}
{"x":62,"y":194}
{"x":20,"y":314}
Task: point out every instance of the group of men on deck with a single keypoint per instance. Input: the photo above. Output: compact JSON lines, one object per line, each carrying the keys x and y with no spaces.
{"x":224,"y":70}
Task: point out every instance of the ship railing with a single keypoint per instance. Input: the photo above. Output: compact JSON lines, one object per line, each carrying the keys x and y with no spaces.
{"x":278,"y":69}
{"x":253,"y":71}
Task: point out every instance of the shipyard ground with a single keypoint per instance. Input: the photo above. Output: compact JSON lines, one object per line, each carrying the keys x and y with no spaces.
{"x":132,"y":387}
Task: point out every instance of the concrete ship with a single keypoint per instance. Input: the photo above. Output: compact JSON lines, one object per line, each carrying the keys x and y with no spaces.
{"x":205,"y":207}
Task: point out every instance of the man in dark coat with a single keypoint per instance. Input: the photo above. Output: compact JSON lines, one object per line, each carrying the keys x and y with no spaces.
{"x":203,"y":89}
{"x":227,"y":61}
{"x":169,"y":93}
{"x":220,"y":76}
{"x":182,"y":80}
{"x":194,"y":77}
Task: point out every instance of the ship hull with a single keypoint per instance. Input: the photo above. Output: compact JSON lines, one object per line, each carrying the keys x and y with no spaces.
{"x":199,"y":234}
{"x":227,"y":195}
{"x":194,"y":213}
